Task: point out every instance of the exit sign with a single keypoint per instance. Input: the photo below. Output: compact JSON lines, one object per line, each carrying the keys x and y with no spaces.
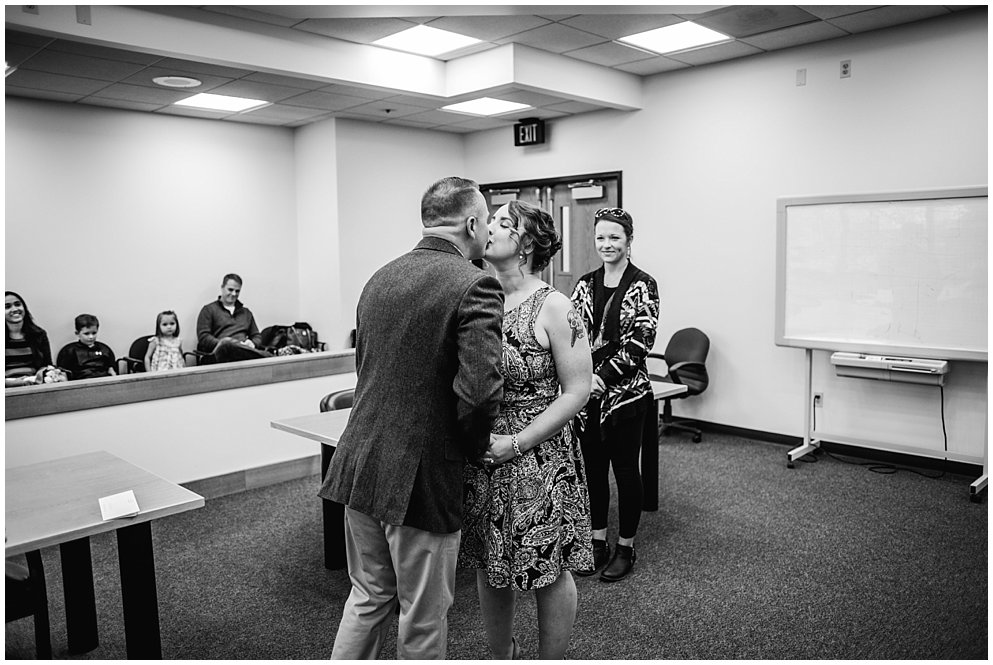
{"x":529,"y":131}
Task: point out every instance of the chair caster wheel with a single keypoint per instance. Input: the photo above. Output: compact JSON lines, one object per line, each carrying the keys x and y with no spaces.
{"x":697,"y":438}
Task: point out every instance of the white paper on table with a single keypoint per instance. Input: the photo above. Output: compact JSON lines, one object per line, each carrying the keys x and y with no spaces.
{"x":119,"y":505}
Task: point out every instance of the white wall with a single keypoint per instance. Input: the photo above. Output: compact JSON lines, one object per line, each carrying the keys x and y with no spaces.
{"x":382,"y":174}
{"x":703,"y":164}
{"x":123,"y":215}
{"x":183,"y":438}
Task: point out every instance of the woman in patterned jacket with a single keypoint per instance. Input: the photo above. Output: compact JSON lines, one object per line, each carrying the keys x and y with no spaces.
{"x":619,"y":304}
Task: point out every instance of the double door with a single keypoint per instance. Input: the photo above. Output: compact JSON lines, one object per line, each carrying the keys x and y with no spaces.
{"x":572,"y":202}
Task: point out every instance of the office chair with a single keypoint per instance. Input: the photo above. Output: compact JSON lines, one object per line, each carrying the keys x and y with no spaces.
{"x":333,"y":514}
{"x":685,"y":356}
{"x":134,"y":362}
{"x":26,"y":595}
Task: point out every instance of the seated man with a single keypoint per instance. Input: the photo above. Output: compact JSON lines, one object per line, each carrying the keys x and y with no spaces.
{"x":226,"y":329}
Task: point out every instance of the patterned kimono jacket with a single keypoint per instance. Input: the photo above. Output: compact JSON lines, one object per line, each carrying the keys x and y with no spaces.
{"x":625,"y":336}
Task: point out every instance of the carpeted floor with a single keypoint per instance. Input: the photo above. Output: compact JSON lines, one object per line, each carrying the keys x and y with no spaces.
{"x":746,"y":559}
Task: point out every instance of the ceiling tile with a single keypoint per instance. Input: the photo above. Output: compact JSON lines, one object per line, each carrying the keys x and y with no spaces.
{"x":26,"y":38}
{"x":105,"y":52}
{"x":34,"y":93}
{"x":120,"y":104}
{"x":541,"y":113}
{"x":285,"y":113}
{"x":479,"y":124}
{"x":415,"y":100}
{"x":554,"y":37}
{"x":745,"y":20}
{"x":884,"y":17}
{"x":256,"y":90}
{"x":574,"y":107}
{"x":202,"y":68}
{"x":807,"y":33}
{"x":244,"y":12}
{"x":355,"y":91}
{"x":360,"y":30}
{"x":189,"y":112}
{"x":653,"y":66}
{"x":832,"y":11}
{"x":487,"y":28}
{"x":324,"y":101}
{"x":436,"y":117}
{"x":405,"y":122}
{"x":140,"y":93}
{"x":609,"y":54}
{"x":72,"y":85}
{"x":279,"y":79}
{"x":15,"y":54}
{"x":530,"y":98}
{"x":145,"y":76}
{"x":69,"y":64}
{"x":709,"y":54}
{"x":615,"y":26}
{"x":382,"y":109}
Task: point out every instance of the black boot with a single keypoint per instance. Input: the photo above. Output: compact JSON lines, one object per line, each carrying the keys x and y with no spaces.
{"x":601,"y":554}
{"x":620,"y":565}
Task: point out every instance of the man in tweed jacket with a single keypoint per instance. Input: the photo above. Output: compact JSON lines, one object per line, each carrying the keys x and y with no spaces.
{"x":428,"y":344}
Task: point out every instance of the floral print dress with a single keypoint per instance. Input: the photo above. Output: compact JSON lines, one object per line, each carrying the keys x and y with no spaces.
{"x":529,"y":519}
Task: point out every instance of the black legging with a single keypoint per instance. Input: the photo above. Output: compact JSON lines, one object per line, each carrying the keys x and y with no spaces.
{"x":620,"y":447}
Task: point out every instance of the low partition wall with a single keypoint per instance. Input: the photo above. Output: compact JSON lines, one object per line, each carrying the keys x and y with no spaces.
{"x":191,"y":426}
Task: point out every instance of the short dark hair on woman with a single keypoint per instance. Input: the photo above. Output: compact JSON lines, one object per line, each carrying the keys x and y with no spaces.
{"x":540,"y":227}
{"x":618,"y":215}
{"x":449,"y":198}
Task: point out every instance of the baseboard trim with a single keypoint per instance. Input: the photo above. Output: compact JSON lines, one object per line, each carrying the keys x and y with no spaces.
{"x":261,"y":476}
{"x":869,"y":454}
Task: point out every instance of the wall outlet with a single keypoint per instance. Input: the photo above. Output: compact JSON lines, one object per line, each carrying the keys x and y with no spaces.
{"x":801,"y":77}
{"x":818,"y":399}
{"x":846,"y":69}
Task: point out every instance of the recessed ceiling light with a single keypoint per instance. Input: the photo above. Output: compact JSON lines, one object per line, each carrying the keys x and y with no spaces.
{"x":205,"y":100}
{"x":425,"y":40}
{"x":485,"y":106}
{"x":177,"y":81}
{"x":678,"y":37}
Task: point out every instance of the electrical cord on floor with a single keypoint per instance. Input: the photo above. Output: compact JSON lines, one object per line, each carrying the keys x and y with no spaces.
{"x":881,"y":467}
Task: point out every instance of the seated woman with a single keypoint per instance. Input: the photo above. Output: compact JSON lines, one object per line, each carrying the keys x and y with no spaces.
{"x":27,"y":352}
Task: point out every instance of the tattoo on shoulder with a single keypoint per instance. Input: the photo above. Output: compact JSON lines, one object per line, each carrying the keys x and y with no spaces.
{"x":576,"y":324}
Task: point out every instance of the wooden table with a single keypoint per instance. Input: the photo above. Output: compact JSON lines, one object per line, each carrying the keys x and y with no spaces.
{"x":326,"y":428}
{"x":56,"y":503}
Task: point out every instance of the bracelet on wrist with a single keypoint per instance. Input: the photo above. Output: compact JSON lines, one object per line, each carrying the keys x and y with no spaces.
{"x":517,"y":446}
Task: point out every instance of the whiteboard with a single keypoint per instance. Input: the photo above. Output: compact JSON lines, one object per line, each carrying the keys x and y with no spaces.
{"x":903,"y":273}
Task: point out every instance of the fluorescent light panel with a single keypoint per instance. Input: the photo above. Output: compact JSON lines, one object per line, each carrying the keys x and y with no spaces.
{"x":205,"y":100}
{"x":425,"y":40}
{"x":485,"y":106}
{"x":678,"y":37}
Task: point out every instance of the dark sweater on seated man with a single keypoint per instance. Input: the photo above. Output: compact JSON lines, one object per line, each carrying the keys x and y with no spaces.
{"x":226,"y":329}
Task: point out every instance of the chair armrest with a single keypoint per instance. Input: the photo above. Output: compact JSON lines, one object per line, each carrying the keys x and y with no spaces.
{"x":659,"y":356}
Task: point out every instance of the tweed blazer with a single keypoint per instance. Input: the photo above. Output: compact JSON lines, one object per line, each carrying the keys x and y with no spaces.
{"x":631,"y":323}
{"x":427,"y":353}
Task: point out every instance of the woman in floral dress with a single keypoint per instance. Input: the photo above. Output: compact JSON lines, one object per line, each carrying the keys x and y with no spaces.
{"x":527,"y":519}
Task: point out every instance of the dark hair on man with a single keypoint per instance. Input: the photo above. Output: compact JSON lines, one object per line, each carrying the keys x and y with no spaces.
{"x":448,"y":199}
{"x":618,"y":215}
{"x":540,"y":228}
{"x":29,"y":328}
{"x":231,"y":276}
{"x":86,"y":321}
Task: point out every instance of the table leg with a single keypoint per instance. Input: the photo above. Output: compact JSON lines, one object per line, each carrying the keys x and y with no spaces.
{"x":81,"y":605}
{"x":333,"y":520}
{"x":141,"y":605}
{"x":650,"y":457}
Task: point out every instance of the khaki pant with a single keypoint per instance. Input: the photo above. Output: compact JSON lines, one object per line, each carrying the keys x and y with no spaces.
{"x":389,"y":564}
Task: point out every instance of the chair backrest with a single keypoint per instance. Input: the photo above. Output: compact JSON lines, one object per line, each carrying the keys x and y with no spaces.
{"x":690,"y":346}
{"x":341,"y":399}
{"x":136,"y":355}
